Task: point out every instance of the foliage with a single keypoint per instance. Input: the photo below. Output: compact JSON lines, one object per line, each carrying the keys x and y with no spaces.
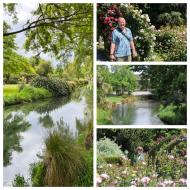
{"x":168,"y":82}
{"x":64,"y":31}
{"x":103,"y":116}
{"x":122,"y":79}
{"x":171,"y":19}
{"x":107,"y":148}
{"x":44,"y":68}
{"x":37,"y":173}
{"x":165,"y":13}
{"x":64,"y":28}
{"x":62,"y":158}
{"x":171,"y":43}
{"x":15,"y":65}
{"x":57,"y":86}
{"x":117,"y":78}
{"x":173,"y":115}
{"x":27,"y":94}
{"x":143,"y":31}
{"x":19,"y":181}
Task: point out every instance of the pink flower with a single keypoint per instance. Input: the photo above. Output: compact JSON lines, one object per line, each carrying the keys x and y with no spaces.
{"x":145,"y":180}
{"x":168,"y":182}
{"x":161,"y":184}
{"x":104,"y":176}
{"x":183,"y":181}
{"x":98,"y":180}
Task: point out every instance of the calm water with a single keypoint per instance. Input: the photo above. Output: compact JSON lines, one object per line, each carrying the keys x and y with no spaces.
{"x":26,"y":126}
{"x":141,"y":112}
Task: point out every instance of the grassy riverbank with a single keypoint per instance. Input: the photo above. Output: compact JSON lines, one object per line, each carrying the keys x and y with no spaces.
{"x":13,"y":95}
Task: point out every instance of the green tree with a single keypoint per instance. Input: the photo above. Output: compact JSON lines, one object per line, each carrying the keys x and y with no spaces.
{"x":44,"y":68}
{"x":123,"y":79}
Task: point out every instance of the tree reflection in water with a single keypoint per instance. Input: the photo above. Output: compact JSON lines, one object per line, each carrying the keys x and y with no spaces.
{"x":13,"y":126}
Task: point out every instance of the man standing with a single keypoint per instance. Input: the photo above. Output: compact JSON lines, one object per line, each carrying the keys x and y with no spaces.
{"x":122,"y":45}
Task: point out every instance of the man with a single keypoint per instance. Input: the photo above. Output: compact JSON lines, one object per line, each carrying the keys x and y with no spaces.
{"x":122,"y":43}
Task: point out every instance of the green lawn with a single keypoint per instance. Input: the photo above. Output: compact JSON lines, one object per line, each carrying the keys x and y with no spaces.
{"x":10,"y":89}
{"x":114,"y":99}
{"x":12,"y":95}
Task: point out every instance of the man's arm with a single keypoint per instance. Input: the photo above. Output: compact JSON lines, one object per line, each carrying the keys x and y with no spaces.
{"x":112,"y":51}
{"x":134,"y":53}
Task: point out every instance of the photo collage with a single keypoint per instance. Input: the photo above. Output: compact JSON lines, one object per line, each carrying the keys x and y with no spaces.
{"x":95,"y":94}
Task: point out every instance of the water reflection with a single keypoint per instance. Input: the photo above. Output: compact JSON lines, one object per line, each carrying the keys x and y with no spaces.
{"x":141,"y":112}
{"x":26,"y":126}
{"x":14,"y":124}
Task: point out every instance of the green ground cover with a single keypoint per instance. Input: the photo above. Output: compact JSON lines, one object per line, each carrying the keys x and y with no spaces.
{"x":12,"y":94}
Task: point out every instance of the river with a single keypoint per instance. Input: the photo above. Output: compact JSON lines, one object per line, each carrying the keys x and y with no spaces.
{"x":27,"y":125}
{"x":140,"y":112}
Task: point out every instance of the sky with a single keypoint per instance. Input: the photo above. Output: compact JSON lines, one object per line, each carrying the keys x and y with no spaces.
{"x":23,"y":13}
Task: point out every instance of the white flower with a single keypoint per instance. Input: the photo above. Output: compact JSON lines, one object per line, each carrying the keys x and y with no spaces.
{"x":142,"y":30}
{"x":145,"y":180}
{"x":110,"y":165}
{"x":183,"y":181}
{"x":143,"y":163}
{"x":124,"y":172}
{"x":104,"y":176}
{"x":168,"y":182}
{"x":171,"y":157}
{"x":142,"y":16}
{"x":133,"y":183}
{"x":154,"y":175}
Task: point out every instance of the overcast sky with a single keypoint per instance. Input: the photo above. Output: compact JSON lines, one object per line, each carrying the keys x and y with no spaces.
{"x":23,"y":14}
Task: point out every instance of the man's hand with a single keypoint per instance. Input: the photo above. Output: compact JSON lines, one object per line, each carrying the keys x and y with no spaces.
{"x":134,"y":53}
{"x":112,"y":57}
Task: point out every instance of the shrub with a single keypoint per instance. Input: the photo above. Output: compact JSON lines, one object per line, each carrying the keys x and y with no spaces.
{"x":37,"y":174}
{"x":173,"y":114}
{"x":55,"y":85}
{"x":103,"y":116}
{"x":62,"y":159}
{"x":19,"y":181}
{"x":172,"y":19}
{"x":171,"y":43}
{"x":108,"y":150}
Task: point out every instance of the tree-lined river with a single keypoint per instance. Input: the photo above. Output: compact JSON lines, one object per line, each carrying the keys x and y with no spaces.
{"x":27,"y":125}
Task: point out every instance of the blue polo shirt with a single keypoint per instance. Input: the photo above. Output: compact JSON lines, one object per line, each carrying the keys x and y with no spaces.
{"x":123,"y":47}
